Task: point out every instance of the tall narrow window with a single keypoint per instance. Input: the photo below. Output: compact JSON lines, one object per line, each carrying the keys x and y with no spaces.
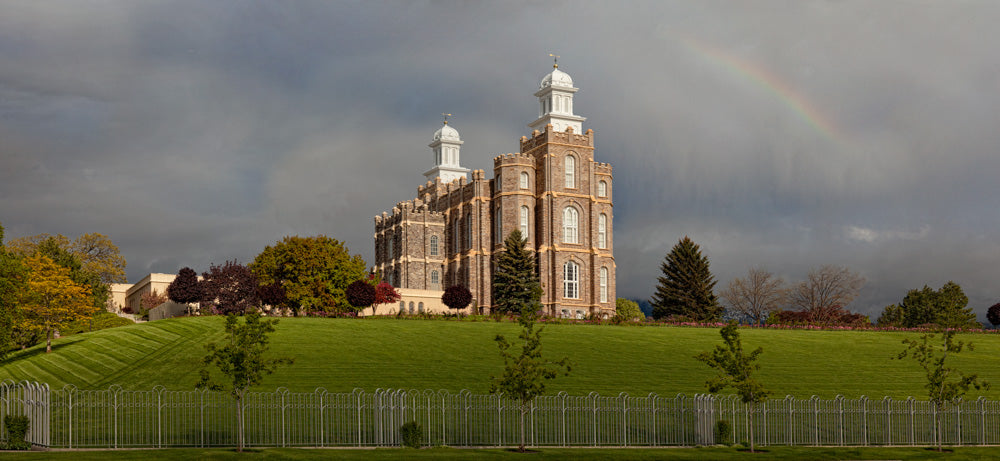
{"x":571,"y":280}
{"x":455,"y":236}
{"x":435,"y":278}
{"x":570,"y":219}
{"x":434,"y":245}
{"x":570,"y":171}
{"x":524,"y":180}
{"x":602,"y":189}
{"x":468,"y":231}
{"x":524,"y":221}
{"x":604,"y":284}
{"x":498,"y":223}
{"x":392,"y":244}
{"x":602,"y":231}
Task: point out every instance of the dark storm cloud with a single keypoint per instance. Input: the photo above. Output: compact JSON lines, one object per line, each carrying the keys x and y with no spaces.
{"x":195,"y":132}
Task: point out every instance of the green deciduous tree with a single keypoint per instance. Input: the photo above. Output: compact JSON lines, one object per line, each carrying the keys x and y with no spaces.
{"x":241,"y":359}
{"x":13,"y":279}
{"x":686,"y":287}
{"x":945,"y":307}
{"x":736,"y":369}
{"x":525,"y":371}
{"x":52,"y":298}
{"x":515,"y":282}
{"x":945,"y":384}
{"x":314,"y":271}
{"x":628,"y":310}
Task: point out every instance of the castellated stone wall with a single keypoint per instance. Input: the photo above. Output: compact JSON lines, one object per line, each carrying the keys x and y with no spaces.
{"x":470,"y":220}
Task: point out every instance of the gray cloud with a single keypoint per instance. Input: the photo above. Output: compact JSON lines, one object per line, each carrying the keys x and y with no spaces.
{"x":783,"y":134}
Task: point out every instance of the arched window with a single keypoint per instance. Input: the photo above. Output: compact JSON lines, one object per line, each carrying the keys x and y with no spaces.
{"x":604,"y":284}
{"x":402,"y":307}
{"x":435,"y":278}
{"x":602,"y":231}
{"x":392,"y":245}
{"x":411,"y":307}
{"x":524,"y":221}
{"x":434,"y":245}
{"x":602,"y":189}
{"x":571,"y":218}
{"x":524,"y":180}
{"x":420,"y":308}
{"x":468,"y":230}
{"x":570,"y":171}
{"x":571,"y":280}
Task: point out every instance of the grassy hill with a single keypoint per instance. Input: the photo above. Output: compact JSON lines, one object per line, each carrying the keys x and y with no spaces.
{"x":342,"y":354}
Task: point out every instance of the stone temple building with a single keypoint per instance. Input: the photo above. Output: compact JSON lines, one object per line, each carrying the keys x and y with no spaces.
{"x":552,"y":190}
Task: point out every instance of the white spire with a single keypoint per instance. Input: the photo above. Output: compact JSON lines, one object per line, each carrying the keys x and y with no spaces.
{"x":446,"y":146}
{"x":555,"y":102}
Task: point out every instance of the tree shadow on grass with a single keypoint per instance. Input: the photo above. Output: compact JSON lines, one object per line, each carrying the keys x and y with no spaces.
{"x":39,"y":350}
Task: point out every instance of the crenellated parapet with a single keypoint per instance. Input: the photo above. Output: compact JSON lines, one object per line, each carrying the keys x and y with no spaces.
{"x":568,"y":137}
{"x":602,"y":168}
{"x":513,"y":159}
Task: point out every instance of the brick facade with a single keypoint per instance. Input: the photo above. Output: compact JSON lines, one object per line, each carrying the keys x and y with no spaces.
{"x":451,"y":232}
{"x":462,"y":217}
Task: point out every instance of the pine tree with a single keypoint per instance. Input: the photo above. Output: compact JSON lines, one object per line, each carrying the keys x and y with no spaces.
{"x":516,"y":288}
{"x":685,"y":289}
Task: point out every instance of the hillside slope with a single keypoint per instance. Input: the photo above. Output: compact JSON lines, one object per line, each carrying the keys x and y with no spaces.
{"x":342,"y":354}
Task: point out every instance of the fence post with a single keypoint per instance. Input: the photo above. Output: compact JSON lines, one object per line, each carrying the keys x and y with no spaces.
{"x":562,"y":404}
{"x":593,"y":399}
{"x":357,"y":392}
{"x":864,"y":420}
{"x":958,"y":417}
{"x":624,"y":398}
{"x":982,"y":420}
{"x":840,"y":421}
{"x":69,"y":411}
{"x":789,"y":427}
{"x":815,"y":401}
{"x":909,"y":401}
{"x":114,"y":409}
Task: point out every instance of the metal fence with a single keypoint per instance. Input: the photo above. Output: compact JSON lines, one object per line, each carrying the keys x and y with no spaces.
{"x":118,"y":418}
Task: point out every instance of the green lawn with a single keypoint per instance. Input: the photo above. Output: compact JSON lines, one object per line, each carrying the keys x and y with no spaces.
{"x":770,"y":453}
{"x":342,"y":354}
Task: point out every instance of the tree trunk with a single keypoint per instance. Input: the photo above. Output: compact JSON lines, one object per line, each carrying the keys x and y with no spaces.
{"x":937,"y":430}
{"x":751,"y":428}
{"x":524,"y":409}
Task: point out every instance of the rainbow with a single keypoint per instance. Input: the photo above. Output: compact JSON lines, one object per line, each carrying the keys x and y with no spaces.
{"x":769,"y":81}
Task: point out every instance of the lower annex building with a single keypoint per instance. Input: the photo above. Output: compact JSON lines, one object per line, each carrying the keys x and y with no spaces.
{"x":552,"y":190}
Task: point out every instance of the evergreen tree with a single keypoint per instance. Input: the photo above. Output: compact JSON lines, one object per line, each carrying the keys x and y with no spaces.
{"x":685,"y":289}
{"x":515,"y":283}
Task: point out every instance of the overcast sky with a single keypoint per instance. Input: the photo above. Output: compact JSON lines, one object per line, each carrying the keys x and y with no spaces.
{"x":784,"y":134}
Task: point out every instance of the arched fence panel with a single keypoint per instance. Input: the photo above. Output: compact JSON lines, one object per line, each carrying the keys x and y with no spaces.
{"x":160,"y":418}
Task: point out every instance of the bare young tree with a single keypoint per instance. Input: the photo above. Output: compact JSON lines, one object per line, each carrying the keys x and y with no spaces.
{"x":755,"y":295}
{"x":826,"y":291}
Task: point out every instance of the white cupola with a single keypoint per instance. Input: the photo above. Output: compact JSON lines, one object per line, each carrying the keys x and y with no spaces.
{"x":446,"y":146}
{"x":555,"y":103}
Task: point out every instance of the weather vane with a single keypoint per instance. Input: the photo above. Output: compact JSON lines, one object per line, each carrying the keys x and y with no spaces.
{"x":445,"y":117}
{"x":555,"y":60}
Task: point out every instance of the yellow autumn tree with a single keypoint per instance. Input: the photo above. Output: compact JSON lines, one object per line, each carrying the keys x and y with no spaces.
{"x":52,"y":298}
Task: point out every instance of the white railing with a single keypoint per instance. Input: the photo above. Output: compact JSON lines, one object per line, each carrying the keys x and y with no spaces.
{"x":118,"y":418}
